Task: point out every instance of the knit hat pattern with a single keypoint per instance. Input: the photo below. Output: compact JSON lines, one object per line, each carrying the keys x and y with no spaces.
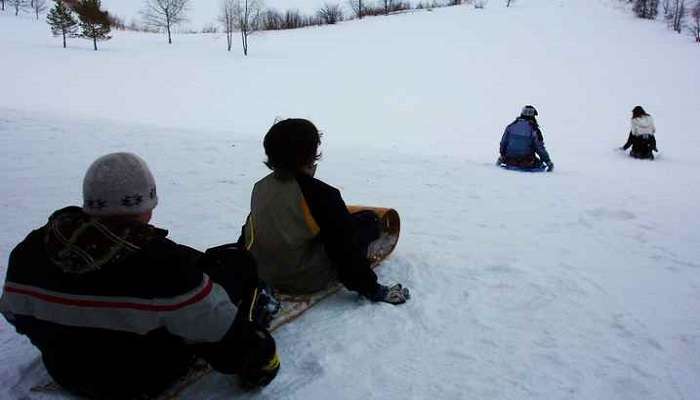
{"x":119,"y":184}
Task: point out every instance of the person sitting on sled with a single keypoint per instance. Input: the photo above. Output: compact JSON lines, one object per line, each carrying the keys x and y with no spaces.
{"x":641,"y":137}
{"x":119,"y":311}
{"x":522,"y":143}
{"x":299,"y":229}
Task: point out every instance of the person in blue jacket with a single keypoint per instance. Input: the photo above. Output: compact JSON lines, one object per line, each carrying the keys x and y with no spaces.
{"x":522,"y":145}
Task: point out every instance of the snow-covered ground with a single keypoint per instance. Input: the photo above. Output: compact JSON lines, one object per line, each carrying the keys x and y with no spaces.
{"x":581,"y":284}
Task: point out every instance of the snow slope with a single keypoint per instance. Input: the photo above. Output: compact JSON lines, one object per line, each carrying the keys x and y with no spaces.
{"x":581,"y":284}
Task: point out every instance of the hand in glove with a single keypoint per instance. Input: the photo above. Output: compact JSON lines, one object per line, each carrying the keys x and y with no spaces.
{"x":550,"y":166}
{"x":396,"y":294}
{"x":265,"y":306}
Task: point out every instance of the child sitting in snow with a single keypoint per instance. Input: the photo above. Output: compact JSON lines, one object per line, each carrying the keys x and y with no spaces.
{"x":118,"y":310}
{"x":299,"y":229}
{"x":522,"y":143}
{"x":641,"y":137}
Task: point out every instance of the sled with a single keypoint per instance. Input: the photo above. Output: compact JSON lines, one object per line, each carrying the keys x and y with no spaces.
{"x":292,"y":306}
{"x":541,"y":168}
{"x":197,"y":371}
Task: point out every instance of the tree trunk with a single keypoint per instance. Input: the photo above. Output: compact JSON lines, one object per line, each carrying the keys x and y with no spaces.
{"x":94,"y":42}
{"x":64,"y":39}
{"x":167,"y":26}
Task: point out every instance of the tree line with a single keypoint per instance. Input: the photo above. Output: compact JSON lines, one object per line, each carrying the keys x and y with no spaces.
{"x":678,"y":14}
{"x":87,"y":19}
{"x":236,"y":17}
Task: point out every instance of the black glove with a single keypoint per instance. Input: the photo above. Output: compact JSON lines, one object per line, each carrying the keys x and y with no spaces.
{"x":550,"y":166}
{"x":265,"y":306}
{"x":396,"y":294}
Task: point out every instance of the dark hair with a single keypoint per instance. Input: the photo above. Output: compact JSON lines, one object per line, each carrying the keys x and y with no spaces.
{"x":292,"y":144}
{"x":638,"y":112}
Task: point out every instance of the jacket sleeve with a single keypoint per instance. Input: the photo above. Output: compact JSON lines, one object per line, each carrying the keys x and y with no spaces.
{"x":339,"y":234}
{"x":199,"y":308}
{"x":628,"y":143}
{"x":539,"y":147}
{"x":216,"y":325}
{"x":504,"y":141}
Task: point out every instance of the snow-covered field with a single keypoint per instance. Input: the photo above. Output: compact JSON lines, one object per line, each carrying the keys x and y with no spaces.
{"x":580,"y":284}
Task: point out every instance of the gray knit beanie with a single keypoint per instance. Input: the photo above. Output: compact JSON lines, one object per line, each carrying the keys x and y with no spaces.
{"x":119,"y":184}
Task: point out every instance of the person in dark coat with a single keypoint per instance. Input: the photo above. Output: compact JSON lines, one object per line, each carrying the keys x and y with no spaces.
{"x":642,"y":137}
{"x":299,"y":229}
{"x":522,"y":144}
{"x":117,"y":310}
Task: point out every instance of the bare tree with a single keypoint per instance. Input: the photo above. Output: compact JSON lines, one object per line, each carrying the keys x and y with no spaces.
{"x":293,"y":19}
{"x":647,"y":9}
{"x":39,"y":6}
{"x":247,"y":15}
{"x":19,"y":5}
{"x":357,"y":8}
{"x":330,"y":13}
{"x":695,"y":18}
{"x":388,"y":5}
{"x":666,"y":5}
{"x":272,"y":20}
{"x":678,"y":15}
{"x":165,"y":14}
{"x":227,"y":18}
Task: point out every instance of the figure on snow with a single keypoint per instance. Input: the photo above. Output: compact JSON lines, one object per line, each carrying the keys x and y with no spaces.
{"x":117,"y":310}
{"x":299,"y":229}
{"x":522,"y":144}
{"x":641,"y":137}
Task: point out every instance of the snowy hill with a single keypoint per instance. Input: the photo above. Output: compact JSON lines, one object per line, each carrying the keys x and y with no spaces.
{"x":580,"y":284}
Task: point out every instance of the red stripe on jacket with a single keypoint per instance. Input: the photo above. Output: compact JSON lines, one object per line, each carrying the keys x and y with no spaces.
{"x":203,"y":293}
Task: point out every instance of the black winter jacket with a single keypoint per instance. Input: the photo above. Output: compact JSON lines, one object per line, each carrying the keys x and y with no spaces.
{"x":118,"y":310}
